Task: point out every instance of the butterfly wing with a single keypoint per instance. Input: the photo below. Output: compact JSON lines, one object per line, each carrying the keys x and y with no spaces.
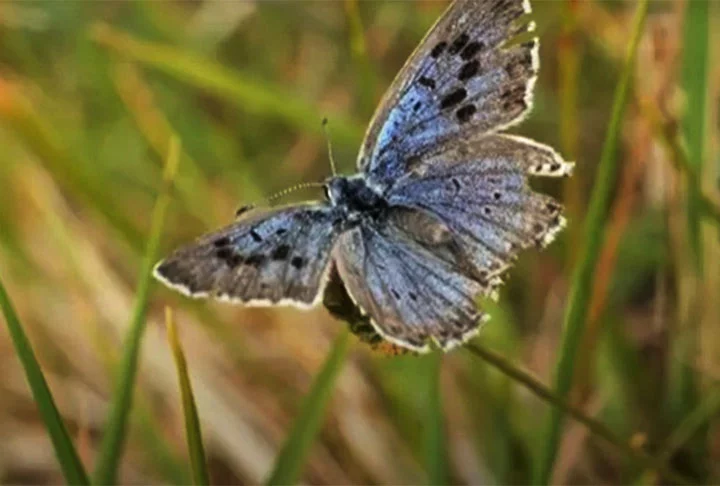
{"x":412,"y":294}
{"x":479,"y":189}
{"x":463,"y":79}
{"x":272,"y":258}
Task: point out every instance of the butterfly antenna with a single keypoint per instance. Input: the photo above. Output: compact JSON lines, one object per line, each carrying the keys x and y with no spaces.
{"x":304,"y":185}
{"x":278,"y":195}
{"x":333,"y":168}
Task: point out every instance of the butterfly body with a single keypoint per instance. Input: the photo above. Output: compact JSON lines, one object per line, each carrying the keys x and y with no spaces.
{"x":356,"y":197}
{"x":438,"y":211}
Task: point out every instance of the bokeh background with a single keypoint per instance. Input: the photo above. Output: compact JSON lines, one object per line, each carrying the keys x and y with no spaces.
{"x":90,"y":95}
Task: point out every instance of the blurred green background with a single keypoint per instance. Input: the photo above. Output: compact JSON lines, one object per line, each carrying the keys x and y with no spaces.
{"x":90,"y":95}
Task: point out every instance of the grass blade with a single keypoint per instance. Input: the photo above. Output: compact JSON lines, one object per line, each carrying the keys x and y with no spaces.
{"x":569,"y":62}
{"x":705,"y":412}
{"x":683,"y":390}
{"x":581,"y":289}
{"x":70,"y":463}
{"x":116,"y":429}
{"x":289,"y":463}
{"x":435,"y":446}
{"x":193,"y":434}
{"x":366,"y":80}
{"x":694,"y":81}
{"x":674,"y":144}
{"x":248,"y":94}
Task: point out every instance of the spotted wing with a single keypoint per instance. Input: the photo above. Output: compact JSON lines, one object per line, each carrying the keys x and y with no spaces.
{"x":408,"y":286}
{"x":479,"y":189}
{"x":464,"y":78}
{"x":272,"y":258}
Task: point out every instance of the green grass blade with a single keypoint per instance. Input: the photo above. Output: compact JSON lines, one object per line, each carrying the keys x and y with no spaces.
{"x":675,"y":146}
{"x":569,"y":64}
{"x":703,"y":414}
{"x":256,"y":97}
{"x":435,"y":445}
{"x":116,"y":428}
{"x":70,"y":463}
{"x":193,"y":434}
{"x":289,"y":463}
{"x":365,"y":78}
{"x":682,"y":395}
{"x":694,"y":81}
{"x":581,"y":289}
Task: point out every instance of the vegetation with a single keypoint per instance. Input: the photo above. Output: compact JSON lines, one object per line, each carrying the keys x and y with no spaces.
{"x":127,"y":128}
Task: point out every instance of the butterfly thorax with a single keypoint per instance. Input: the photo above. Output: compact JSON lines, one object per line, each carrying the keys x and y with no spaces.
{"x":355,"y":195}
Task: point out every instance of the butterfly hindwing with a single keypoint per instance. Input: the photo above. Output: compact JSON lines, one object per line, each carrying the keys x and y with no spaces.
{"x":412,"y":296}
{"x":463,"y":79}
{"x":479,"y":189}
{"x":273,"y":258}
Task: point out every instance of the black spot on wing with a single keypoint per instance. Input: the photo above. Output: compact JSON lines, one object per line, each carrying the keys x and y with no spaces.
{"x":471,"y":49}
{"x":223,"y":253}
{"x":281,"y":252}
{"x":297,"y":262}
{"x":438,"y":49}
{"x":228,"y":256}
{"x":427,"y":82}
{"x":465,"y":113}
{"x":222,"y":241}
{"x":459,"y":43}
{"x":255,"y":236}
{"x":453,"y":98}
{"x":468,"y":70}
{"x":255,"y":260}
{"x":412,"y":162}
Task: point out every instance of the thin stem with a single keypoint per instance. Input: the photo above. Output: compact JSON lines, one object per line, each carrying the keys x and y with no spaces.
{"x":594,"y":426}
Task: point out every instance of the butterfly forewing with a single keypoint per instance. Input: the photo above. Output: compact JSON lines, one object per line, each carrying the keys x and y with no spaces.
{"x":466,"y":78}
{"x":274,"y":258}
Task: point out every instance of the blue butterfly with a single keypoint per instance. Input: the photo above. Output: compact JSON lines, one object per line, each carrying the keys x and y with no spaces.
{"x":438,"y":211}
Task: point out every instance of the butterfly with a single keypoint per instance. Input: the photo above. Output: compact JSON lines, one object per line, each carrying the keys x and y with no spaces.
{"x":438,"y":211}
